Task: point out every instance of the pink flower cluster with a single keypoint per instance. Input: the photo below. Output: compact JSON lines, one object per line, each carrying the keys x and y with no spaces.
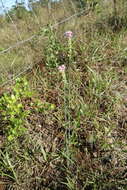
{"x":69,"y":34}
{"x":62,"y":68}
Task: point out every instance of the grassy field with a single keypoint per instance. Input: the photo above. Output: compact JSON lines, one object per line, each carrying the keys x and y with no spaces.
{"x":64,"y":123}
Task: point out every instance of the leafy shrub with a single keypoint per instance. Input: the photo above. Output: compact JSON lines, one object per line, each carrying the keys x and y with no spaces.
{"x":12,"y":109}
{"x":53,"y":49}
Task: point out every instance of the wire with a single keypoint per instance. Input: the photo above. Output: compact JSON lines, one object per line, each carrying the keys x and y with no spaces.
{"x":30,"y":39}
{"x":35,"y":35}
{"x":17,"y":44}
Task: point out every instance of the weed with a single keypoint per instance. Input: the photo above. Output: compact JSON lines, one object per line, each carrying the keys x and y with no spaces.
{"x":53,"y":49}
{"x":12,"y":109}
{"x":13,"y":112}
{"x":70,"y":133}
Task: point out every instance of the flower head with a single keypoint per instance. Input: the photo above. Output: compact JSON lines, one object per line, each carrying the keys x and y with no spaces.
{"x":69,"y":34}
{"x":61,"y":68}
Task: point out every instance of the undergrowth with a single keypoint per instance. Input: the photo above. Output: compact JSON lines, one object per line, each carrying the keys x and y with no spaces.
{"x":64,"y":126}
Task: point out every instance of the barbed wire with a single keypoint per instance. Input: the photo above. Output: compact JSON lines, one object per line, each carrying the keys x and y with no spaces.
{"x":35,"y":35}
{"x":29,"y":68}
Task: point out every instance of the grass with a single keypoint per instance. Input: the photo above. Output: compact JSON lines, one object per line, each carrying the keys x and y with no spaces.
{"x":75,"y":137}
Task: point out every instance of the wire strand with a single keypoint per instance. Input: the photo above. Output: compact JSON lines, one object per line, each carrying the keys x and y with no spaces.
{"x":30,"y":39}
{"x":35,"y":35}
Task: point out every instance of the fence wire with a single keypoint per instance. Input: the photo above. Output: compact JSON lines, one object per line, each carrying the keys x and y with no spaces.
{"x":17,"y":59}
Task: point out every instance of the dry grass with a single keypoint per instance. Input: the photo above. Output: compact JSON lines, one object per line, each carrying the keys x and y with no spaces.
{"x":94,"y":156}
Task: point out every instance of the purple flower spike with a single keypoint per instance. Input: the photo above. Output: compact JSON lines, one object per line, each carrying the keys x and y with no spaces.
{"x":61,"y":68}
{"x":69,"y":34}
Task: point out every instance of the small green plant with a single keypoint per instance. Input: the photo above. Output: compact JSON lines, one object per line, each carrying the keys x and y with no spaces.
{"x":53,"y":48}
{"x":14,"y":112}
{"x":70,"y":183}
{"x":12,"y":109}
{"x":6,"y":164}
{"x":43,"y":107}
{"x":70,"y":137}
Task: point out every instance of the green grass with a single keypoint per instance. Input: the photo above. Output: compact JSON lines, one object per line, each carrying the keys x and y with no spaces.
{"x":76,"y":126}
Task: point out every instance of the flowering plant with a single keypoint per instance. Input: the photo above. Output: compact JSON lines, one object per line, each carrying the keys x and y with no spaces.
{"x":61,"y":68}
{"x":69,"y":34}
